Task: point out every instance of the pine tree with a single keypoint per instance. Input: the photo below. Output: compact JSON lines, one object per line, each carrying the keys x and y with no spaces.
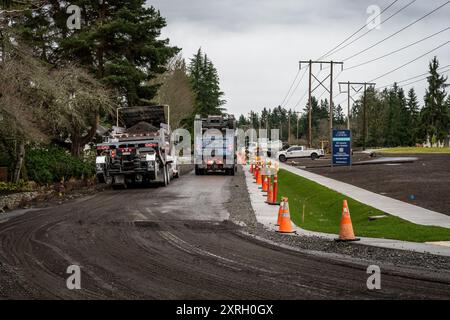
{"x":339,"y":117}
{"x":413,"y":110}
{"x":206,"y":85}
{"x":434,"y":115}
{"x":118,"y":42}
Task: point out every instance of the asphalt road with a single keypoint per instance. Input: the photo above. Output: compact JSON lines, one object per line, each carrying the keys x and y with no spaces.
{"x":173,"y":243}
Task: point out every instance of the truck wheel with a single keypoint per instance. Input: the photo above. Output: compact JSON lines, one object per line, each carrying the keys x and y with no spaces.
{"x":199,"y":172}
{"x":169,"y":178}
{"x":165,"y":181}
{"x":283,"y":158}
{"x":314,"y":156}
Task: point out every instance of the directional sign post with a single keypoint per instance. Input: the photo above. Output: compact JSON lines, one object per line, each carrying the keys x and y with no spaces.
{"x":342,"y":148}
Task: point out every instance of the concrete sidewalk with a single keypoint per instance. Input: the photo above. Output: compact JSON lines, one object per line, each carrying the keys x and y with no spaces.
{"x":391,"y":206}
{"x":267,"y":216}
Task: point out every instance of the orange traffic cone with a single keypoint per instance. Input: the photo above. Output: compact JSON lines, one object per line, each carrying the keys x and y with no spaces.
{"x":346,"y":232}
{"x":285,"y":222}
{"x":265,"y":185}
{"x":255,"y":173}
{"x":271,"y":197}
{"x":280,"y":210}
{"x":259,"y":180}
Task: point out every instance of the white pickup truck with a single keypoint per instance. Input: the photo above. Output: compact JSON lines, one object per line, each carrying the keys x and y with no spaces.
{"x":300,"y":152}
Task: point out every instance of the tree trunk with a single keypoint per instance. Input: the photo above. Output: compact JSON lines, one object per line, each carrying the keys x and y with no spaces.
{"x":19,"y":162}
{"x":78,"y":141}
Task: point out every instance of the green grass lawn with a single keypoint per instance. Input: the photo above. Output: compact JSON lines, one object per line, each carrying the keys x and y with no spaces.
{"x":323,"y":211}
{"x":413,"y":150}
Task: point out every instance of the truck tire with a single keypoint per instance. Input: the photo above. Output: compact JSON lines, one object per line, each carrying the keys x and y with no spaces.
{"x":283,"y":158}
{"x":314,"y":156}
{"x":169,"y":178}
{"x":165,"y":181}
{"x":198,"y":172}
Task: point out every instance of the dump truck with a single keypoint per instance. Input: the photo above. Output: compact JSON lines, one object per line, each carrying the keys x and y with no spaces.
{"x":215,"y":145}
{"x":140,"y":152}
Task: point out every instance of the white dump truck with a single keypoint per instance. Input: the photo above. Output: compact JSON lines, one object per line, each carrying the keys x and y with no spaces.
{"x":138,"y":153}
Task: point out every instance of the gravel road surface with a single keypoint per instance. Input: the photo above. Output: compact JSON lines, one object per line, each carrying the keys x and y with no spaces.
{"x":189,"y":241}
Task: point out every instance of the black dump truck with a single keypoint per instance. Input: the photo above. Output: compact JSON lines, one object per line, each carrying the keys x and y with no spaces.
{"x":215,"y":145}
{"x":138,"y":153}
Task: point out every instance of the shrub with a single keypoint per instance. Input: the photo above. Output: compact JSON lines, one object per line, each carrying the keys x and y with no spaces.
{"x":21,"y":186}
{"x":45,"y":165}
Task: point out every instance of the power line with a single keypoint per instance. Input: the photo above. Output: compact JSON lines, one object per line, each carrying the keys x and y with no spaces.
{"x":408,"y":63}
{"x":410,"y":83}
{"x":370,"y":30}
{"x":331,"y":51}
{"x":396,"y":33}
{"x":441,"y":69}
{"x":306,"y":91}
{"x":357,"y":31}
{"x":298,"y":84}
{"x":290,"y":88}
{"x":398,"y":50}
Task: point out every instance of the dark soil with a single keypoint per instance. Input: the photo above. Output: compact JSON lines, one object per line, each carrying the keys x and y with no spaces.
{"x":424,"y":183}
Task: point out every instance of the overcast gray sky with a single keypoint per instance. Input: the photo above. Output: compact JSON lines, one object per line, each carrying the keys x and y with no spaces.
{"x":256,"y":44}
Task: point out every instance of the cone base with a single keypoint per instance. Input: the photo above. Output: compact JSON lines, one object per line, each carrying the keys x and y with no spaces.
{"x":273,"y":204}
{"x":350,"y":240}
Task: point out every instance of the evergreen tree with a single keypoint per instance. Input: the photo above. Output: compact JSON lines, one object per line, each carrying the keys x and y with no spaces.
{"x":434,"y":115}
{"x":118,"y":42}
{"x":413,"y":110}
{"x":206,"y":85}
{"x":339,"y":117}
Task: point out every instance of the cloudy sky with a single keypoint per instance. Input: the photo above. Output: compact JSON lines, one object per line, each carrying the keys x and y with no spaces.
{"x":256,"y":44}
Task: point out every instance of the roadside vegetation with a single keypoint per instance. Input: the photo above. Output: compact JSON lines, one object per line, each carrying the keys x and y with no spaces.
{"x":60,"y":88}
{"x":323,"y":212}
{"x":414,"y":150}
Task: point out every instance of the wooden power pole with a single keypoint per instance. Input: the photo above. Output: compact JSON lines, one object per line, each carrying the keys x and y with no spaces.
{"x":356,"y":87}
{"x":310,"y":63}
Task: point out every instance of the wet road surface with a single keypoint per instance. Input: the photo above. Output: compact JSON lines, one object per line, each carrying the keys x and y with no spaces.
{"x":173,"y":243}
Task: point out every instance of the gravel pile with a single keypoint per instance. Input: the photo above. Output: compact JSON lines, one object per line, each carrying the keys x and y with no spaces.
{"x":241,"y":213}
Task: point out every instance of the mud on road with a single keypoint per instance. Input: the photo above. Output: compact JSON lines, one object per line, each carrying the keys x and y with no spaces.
{"x":188,"y":241}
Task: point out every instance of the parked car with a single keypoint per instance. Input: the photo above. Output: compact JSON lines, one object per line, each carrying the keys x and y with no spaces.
{"x":300,"y":152}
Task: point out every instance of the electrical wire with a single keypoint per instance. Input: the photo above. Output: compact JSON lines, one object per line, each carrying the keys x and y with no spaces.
{"x":397,"y":32}
{"x":370,"y":30}
{"x":398,"y":50}
{"x":357,"y":31}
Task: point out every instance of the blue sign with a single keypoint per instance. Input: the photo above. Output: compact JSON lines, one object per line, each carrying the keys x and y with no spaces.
{"x":342,"y":148}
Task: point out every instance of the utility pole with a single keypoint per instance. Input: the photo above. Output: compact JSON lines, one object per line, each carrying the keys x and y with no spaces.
{"x":321,"y":84}
{"x":353,"y":87}
{"x":289,"y":129}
